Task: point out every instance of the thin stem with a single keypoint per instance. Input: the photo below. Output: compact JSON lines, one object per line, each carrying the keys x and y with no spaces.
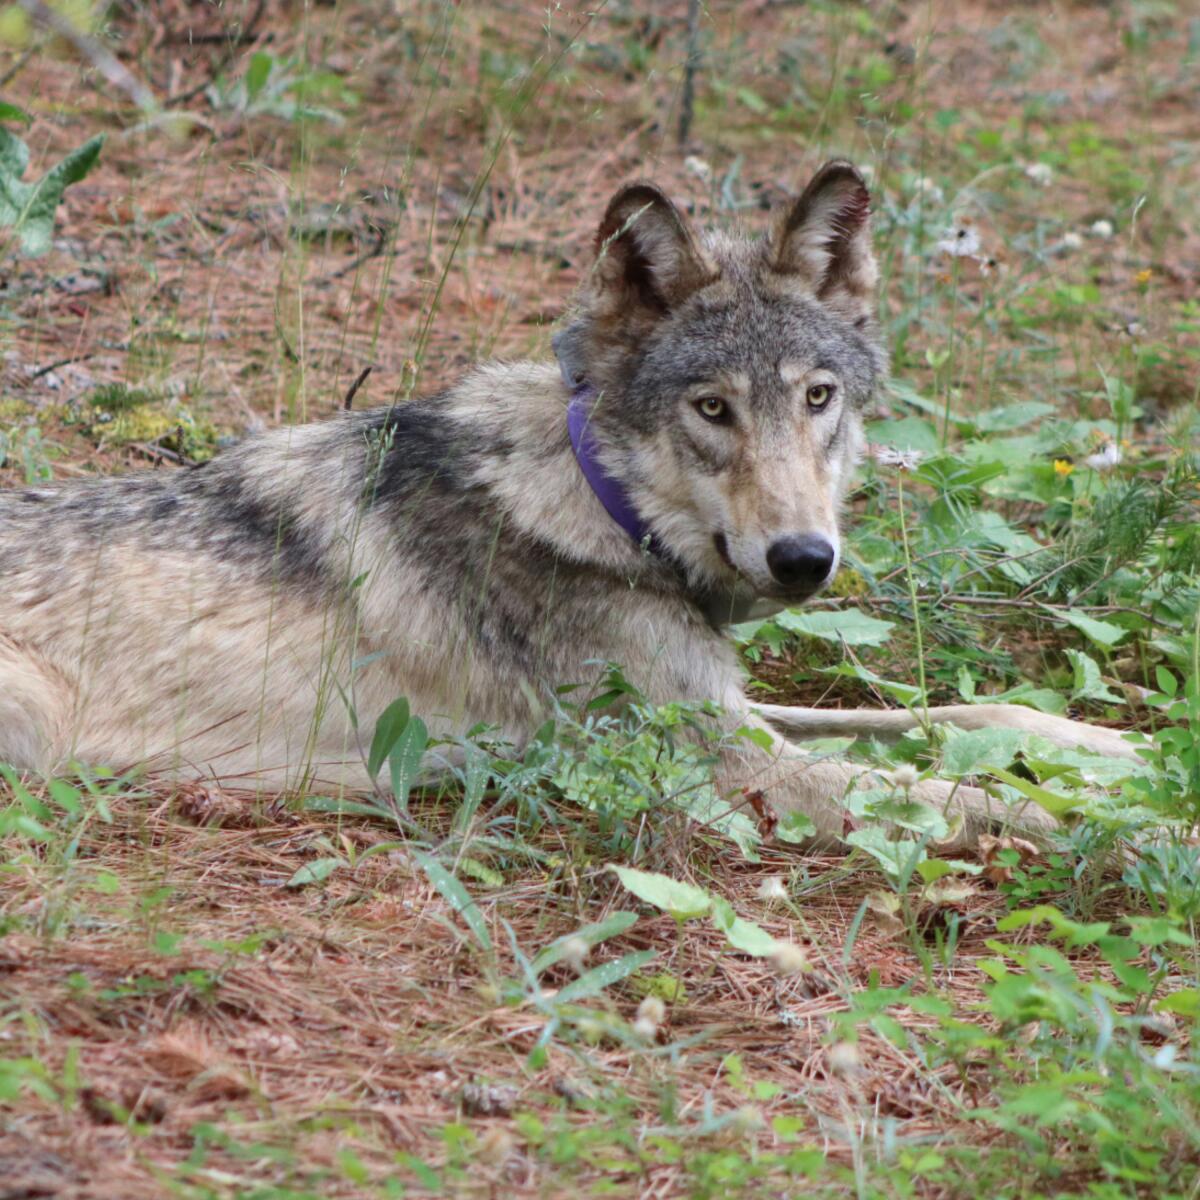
{"x":912,"y":595}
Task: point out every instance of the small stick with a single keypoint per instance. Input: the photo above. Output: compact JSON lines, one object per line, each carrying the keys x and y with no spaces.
{"x":688,"y":100}
{"x":362,"y":377}
{"x":62,"y":362}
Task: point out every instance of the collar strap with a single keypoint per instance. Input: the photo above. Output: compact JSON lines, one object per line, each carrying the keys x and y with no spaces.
{"x":609,"y":490}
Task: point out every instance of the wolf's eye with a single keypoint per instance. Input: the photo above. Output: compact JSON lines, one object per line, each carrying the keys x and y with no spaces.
{"x":712,"y":408}
{"x":819,"y":395}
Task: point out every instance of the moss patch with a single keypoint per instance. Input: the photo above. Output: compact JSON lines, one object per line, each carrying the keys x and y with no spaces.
{"x":116,"y":415}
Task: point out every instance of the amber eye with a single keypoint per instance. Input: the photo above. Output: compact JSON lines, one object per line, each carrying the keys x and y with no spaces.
{"x":713,"y":408}
{"x":819,"y":395}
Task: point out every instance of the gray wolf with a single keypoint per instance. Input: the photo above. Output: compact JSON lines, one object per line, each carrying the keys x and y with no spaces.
{"x":244,"y":621}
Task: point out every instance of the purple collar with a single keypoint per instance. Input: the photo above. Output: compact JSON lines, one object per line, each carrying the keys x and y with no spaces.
{"x":609,"y":490}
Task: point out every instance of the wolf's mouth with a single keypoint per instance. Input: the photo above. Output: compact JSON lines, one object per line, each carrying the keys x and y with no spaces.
{"x":723,"y":550}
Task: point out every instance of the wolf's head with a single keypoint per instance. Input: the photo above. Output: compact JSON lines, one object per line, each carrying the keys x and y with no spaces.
{"x":732,"y":375}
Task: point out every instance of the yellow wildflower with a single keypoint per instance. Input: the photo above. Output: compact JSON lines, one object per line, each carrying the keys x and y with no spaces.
{"x":1062,"y":467}
{"x":1144,"y":276}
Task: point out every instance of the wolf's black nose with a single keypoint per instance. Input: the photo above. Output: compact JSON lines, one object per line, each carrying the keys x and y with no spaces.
{"x":802,"y":561}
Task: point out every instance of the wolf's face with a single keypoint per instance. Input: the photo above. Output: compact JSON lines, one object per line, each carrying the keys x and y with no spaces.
{"x":733,"y":374}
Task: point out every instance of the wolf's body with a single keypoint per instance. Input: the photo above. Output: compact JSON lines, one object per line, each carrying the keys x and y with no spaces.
{"x":224,"y":622}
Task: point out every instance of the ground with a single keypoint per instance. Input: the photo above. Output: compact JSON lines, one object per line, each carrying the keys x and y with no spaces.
{"x":206,"y":994}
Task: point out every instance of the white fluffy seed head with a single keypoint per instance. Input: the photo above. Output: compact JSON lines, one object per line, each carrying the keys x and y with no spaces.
{"x":646,"y":1029}
{"x":772,"y":888}
{"x":844,"y":1058}
{"x":575,"y":952}
{"x":652,"y":1009}
{"x":1072,"y":240}
{"x":906,"y":776}
{"x":789,"y":959}
{"x":1102,"y":229}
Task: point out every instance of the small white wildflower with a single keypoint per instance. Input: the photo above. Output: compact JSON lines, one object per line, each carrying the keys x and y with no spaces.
{"x":1072,"y":240}
{"x":961,"y":242}
{"x":575,"y":952}
{"x":844,"y":1058}
{"x":772,"y":888}
{"x":645,"y":1029}
{"x":1041,"y":173}
{"x":905,"y":776}
{"x":652,"y":1009}
{"x":889,"y":456}
{"x":1107,"y":457}
{"x":698,"y":167}
{"x":789,"y":959}
{"x":1102,"y":229}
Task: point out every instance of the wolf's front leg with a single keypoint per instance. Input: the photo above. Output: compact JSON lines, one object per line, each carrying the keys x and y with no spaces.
{"x":891,"y":723}
{"x":792,"y":780}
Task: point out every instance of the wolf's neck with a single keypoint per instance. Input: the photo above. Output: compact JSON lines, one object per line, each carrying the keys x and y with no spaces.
{"x":520,"y":410}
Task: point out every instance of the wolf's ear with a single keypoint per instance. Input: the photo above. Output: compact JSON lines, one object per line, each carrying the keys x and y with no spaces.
{"x":646,"y":255}
{"x":824,"y":238}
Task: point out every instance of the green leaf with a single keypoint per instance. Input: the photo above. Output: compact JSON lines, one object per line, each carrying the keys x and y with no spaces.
{"x":681,"y":900}
{"x":1103,"y":633}
{"x":316,"y":871}
{"x":10,"y":112}
{"x":967,"y":753}
{"x":351,"y":808}
{"x":933,"y":869}
{"x":257,"y":73}
{"x":1088,"y":684}
{"x":593,"y":934}
{"x":388,"y":728}
{"x":1167,"y":683}
{"x":897,"y":859}
{"x":904,"y":692}
{"x":65,"y":796}
{"x":404,"y":761}
{"x":457,"y":896}
{"x":795,"y":827}
{"x":476,"y":775}
{"x":1020,"y":415}
{"x":598,"y":978}
{"x":907,"y":433}
{"x":29,"y":207}
{"x":741,"y":934}
{"x":1053,"y":802}
{"x":847,"y":625}
{"x":1185,"y":1002}
{"x":481,"y":871}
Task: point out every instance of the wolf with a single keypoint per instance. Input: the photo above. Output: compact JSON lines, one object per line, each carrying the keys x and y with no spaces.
{"x":681,"y":466}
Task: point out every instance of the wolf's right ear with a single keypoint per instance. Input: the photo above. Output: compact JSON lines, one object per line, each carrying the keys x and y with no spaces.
{"x":823,"y":238}
{"x":646,"y":255}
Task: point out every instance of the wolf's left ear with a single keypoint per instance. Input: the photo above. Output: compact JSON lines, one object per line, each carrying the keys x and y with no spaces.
{"x":823,"y":238}
{"x":646,"y":256}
